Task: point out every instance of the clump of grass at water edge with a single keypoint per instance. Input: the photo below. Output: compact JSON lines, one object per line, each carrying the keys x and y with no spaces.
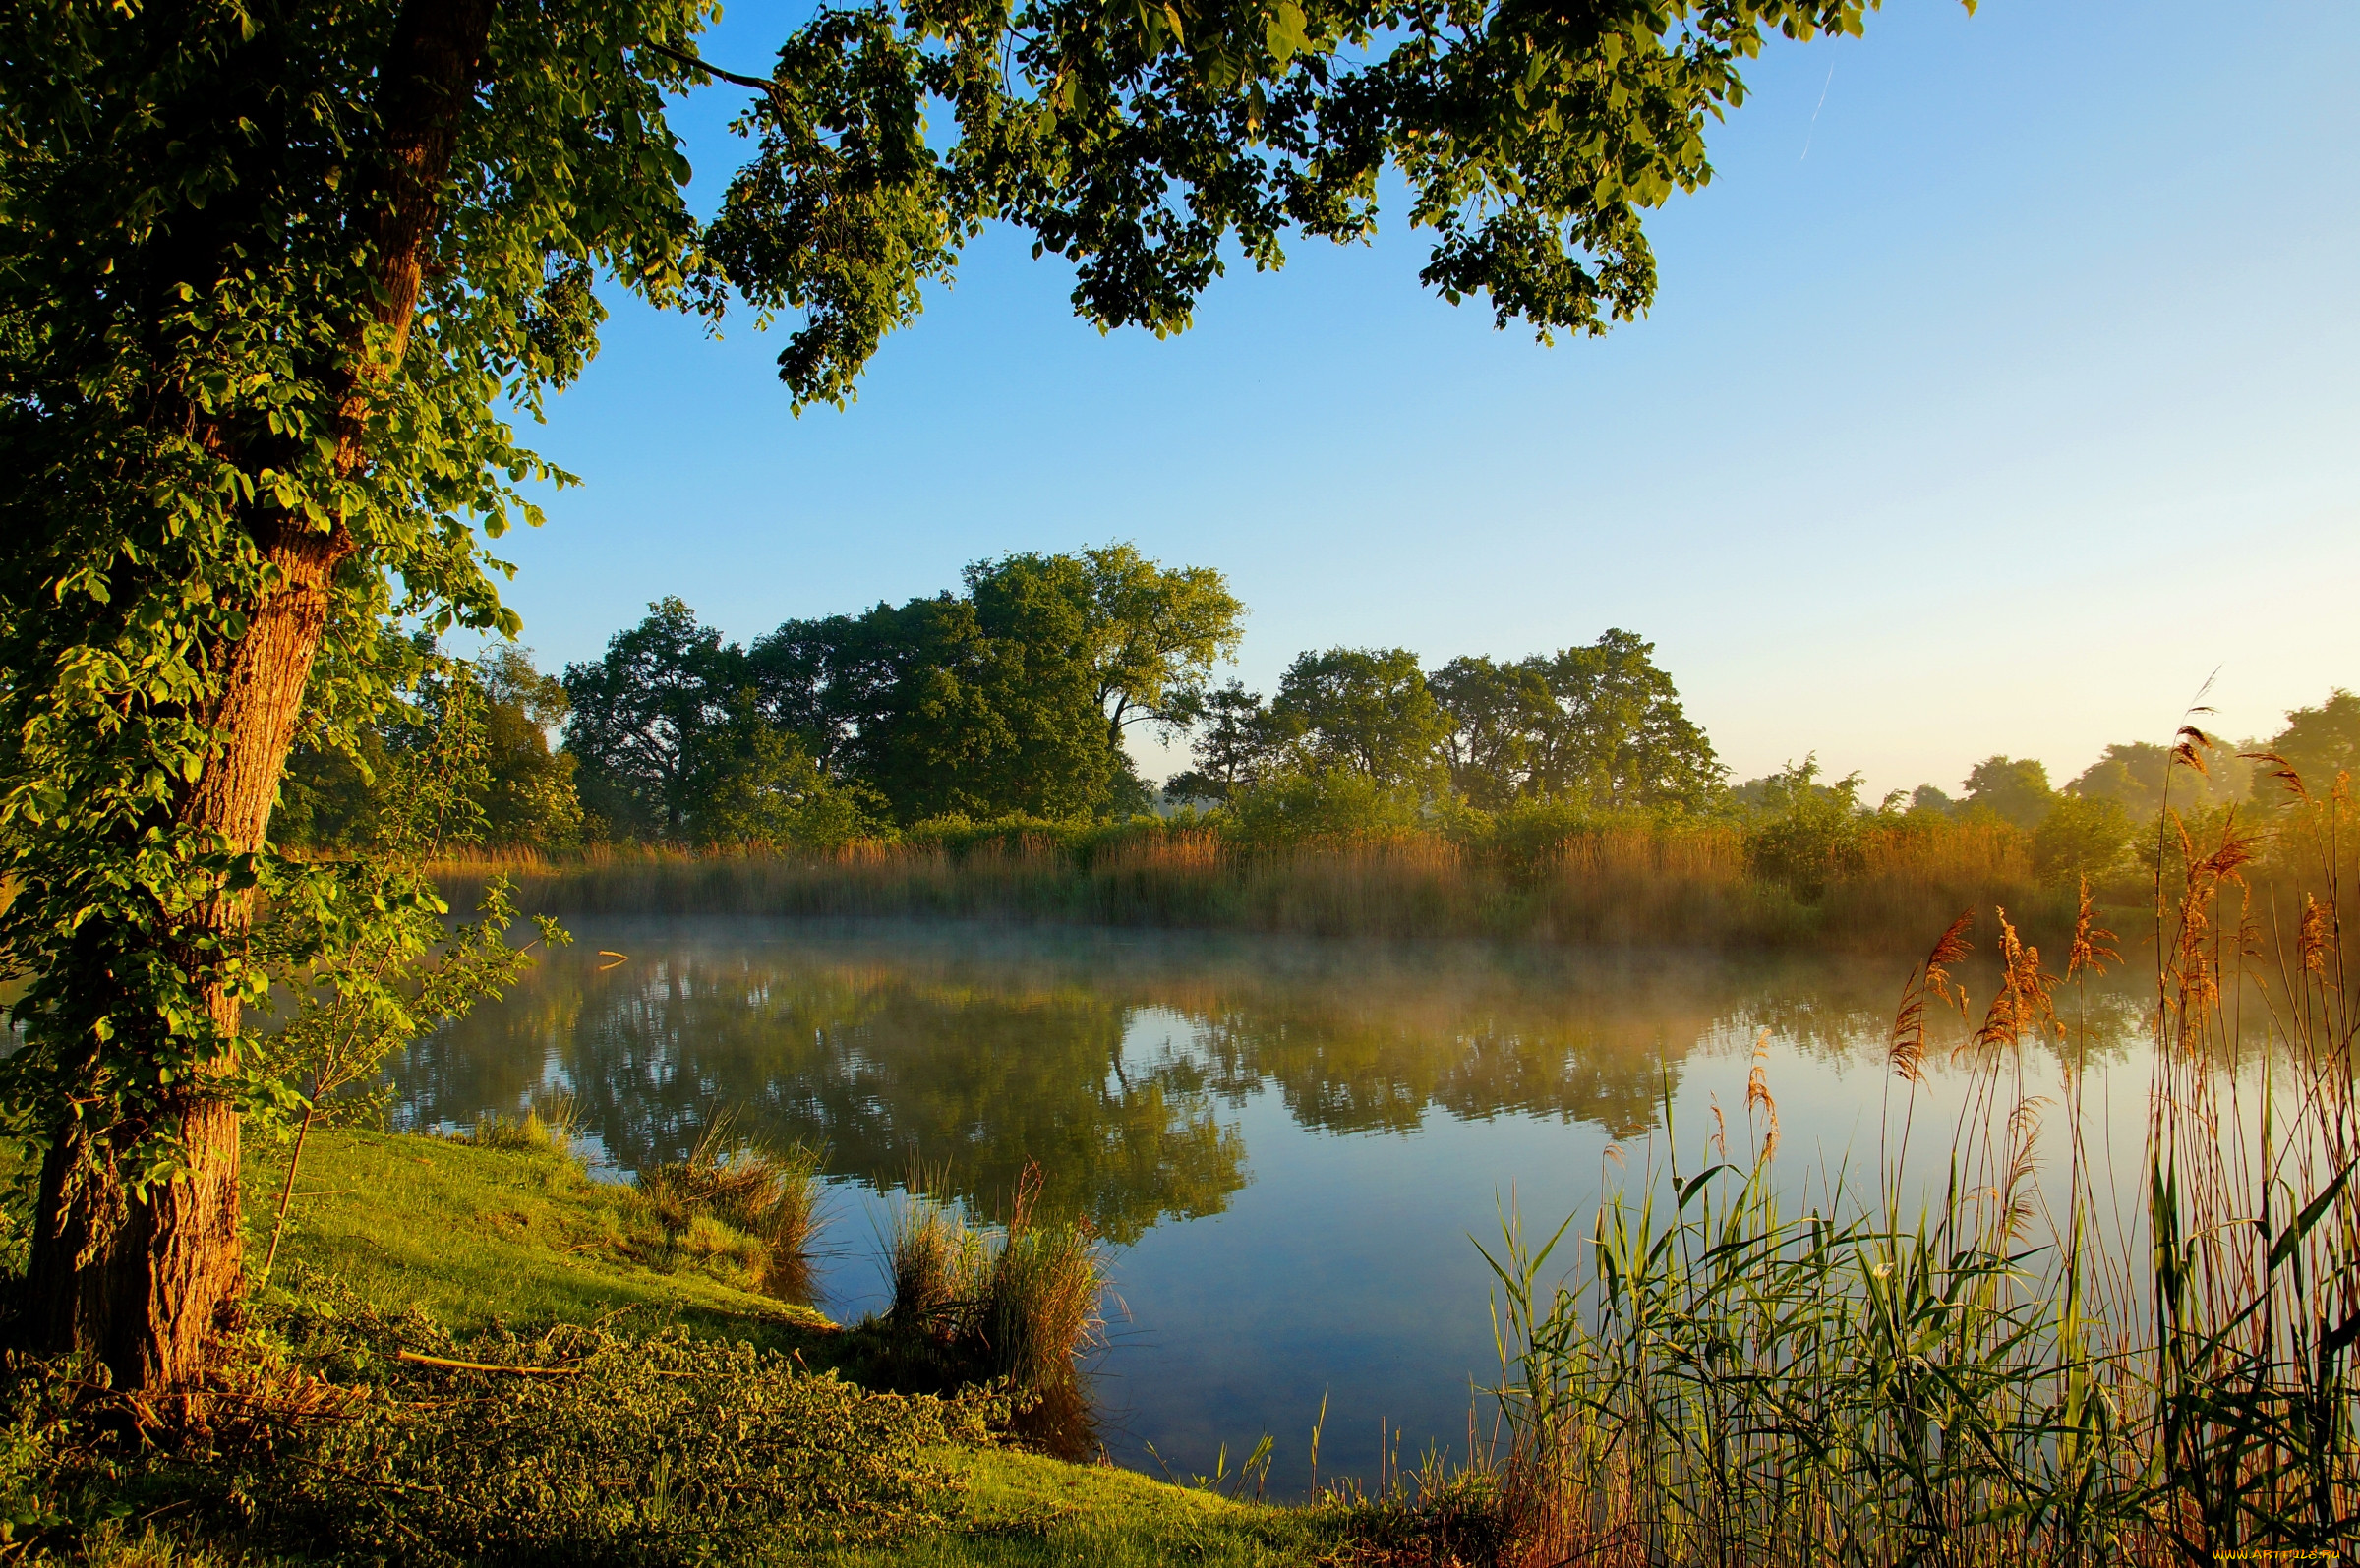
{"x":760,"y":1206}
{"x":1011,"y":1307}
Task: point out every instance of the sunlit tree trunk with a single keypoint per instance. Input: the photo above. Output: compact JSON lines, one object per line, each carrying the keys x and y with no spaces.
{"x":143,"y":1280}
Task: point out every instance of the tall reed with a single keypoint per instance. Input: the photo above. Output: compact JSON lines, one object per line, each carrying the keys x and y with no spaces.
{"x":1611,"y":879}
{"x":2013,"y":1368}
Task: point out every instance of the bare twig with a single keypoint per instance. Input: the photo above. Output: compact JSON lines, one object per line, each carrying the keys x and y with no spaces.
{"x":485,"y":1366}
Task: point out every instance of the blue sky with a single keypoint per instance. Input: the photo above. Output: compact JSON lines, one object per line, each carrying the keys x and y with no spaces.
{"x":2003,"y":385}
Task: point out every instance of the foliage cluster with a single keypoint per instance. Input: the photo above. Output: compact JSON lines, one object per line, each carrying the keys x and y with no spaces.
{"x":348,"y":1432}
{"x":1013,"y":696}
{"x":1365,"y":733}
{"x":1012,"y":700}
{"x":334,"y":796}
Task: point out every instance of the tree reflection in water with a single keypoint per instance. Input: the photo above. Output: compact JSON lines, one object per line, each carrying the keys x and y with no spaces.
{"x":964,"y":1052}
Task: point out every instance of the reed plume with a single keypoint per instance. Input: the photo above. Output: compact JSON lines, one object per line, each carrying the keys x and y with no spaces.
{"x":1905,"y":1050}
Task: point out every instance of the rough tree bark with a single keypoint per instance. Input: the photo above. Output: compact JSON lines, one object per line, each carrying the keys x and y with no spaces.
{"x":144,"y":1281}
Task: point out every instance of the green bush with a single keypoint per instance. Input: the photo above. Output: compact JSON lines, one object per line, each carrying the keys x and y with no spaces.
{"x":579,"y":1447}
{"x":1807,"y":834}
{"x":1338,"y":806}
{"x":2082,"y":837}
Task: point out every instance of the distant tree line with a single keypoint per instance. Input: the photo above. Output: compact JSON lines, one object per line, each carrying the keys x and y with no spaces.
{"x":1356,"y":738}
{"x":1012,"y":698}
{"x":521,"y":789}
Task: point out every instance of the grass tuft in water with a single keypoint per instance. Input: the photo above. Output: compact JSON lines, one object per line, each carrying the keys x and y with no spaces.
{"x":731,"y":1197}
{"x":532,"y":1132}
{"x":1015,"y":1305}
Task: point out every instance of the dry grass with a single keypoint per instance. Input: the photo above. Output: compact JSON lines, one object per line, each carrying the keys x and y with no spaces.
{"x":2015,"y":1373}
{"x":757,"y":1207}
{"x":1611,"y":882}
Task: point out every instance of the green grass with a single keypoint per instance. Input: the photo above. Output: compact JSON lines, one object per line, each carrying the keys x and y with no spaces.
{"x":472,"y":1236}
{"x":476,"y":1237}
{"x":1020,"y":1511}
{"x":1029,"y":1511}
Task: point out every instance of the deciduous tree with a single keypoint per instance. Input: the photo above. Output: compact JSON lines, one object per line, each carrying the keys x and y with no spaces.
{"x":274,"y":275}
{"x":1233,"y":741}
{"x":2322,"y":743}
{"x":1366,"y":709}
{"x":2135,"y":775}
{"x":641,"y":712}
{"x":2014,"y":789}
{"x":1500,"y":714}
{"x":530,"y":800}
{"x":1154,"y":633}
{"x":1601,"y":726}
{"x":1621,"y":737}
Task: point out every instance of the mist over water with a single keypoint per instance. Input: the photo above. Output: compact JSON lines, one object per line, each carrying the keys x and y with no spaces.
{"x":1294,"y":1146}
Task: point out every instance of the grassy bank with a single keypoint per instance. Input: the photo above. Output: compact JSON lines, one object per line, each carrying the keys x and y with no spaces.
{"x":477,"y":1353}
{"x":1641,"y":881}
{"x":473,"y":1236}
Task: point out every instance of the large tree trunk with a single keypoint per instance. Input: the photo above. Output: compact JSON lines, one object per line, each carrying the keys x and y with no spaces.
{"x":144,"y":1280}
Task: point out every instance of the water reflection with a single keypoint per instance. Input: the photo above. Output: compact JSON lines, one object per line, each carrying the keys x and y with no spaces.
{"x":968,"y":1052}
{"x":1291,"y":1140}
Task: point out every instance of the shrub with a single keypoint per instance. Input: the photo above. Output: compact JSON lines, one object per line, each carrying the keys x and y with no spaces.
{"x":1810,"y":834}
{"x":1336,"y":806}
{"x":2081,"y":838}
{"x":346,"y":1432}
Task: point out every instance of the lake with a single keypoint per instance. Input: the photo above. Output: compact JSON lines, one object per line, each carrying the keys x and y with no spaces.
{"x":1294,"y":1146}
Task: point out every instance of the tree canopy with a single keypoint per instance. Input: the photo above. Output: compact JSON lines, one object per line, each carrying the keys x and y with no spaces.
{"x":643,"y":715}
{"x":1359,"y":710}
{"x":2322,"y":744}
{"x":1600,"y":725}
{"x":523,"y":796}
{"x":2014,"y":789}
{"x":1011,"y":698}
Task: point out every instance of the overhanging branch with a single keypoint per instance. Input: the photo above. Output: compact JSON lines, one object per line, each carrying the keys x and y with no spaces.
{"x":761,"y":85}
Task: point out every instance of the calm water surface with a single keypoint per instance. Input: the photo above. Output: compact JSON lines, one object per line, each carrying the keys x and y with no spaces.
{"x":1295,"y":1145}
